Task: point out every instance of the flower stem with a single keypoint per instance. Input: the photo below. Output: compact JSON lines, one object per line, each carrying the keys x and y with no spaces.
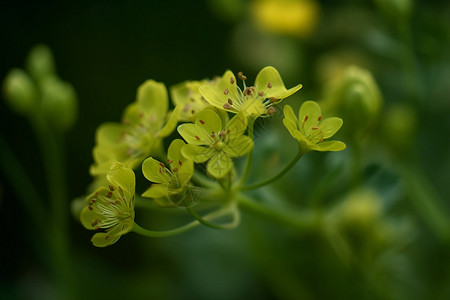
{"x":235,"y":214}
{"x":150,"y":233}
{"x":304,"y":220}
{"x":251,"y":123}
{"x":276,"y":177}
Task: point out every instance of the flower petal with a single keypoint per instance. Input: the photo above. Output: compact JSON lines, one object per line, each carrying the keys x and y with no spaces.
{"x":179,"y":164}
{"x":88,"y":218}
{"x":194,"y":135}
{"x":155,"y":171}
{"x":330,"y":146}
{"x":290,"y":121}
{"x":270,"y":83}
{"x":219,"y":165}
{"x":120,"y":176}
{"x":156,"y":191}
{"x":330,"y":126}
{"x":103,"y":239}
{"x":152,"y":98}
{"x":239,"y":146}
{"x":225,"y":89}
{"x":310,"y":111}
{"x":198,"y":154}
{"x":109,"y":133}
{"x":209,"y":121}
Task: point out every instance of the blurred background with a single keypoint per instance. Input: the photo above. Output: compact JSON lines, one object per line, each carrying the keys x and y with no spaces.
{"x":381,"y":65}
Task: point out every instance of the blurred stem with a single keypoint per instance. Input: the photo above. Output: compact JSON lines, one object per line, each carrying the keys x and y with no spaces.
{"x":277,"y":176}
{"x":202,"y":180}
{"x":426,"y":200}
{"x":23,"y":187}
{"x":234,"y":212}
{"x":210,"y":217}
{"x":251,"y":123}
{"x":52,"y":150}
{"x":304,"y":220}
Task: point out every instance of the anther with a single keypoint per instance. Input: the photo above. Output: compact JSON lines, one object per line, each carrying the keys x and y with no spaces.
{"x":180,"y":162}
{"x":90,"y":207}
{"x":92,"y":201}
{"x":111,"y":188}
{"x":193,"y":112}
{"x":109,"y":194}
{"x":232,"y":80}
{"x":107,"y":237}
{"x":162,"y":165}
{"x":169,"y":161}
{"x":306,"y":118}
{"x":319,"y":118}
{"x":94,"y":223}
{"x":315,"y":128}
{"x":197,"y":137}
{"x":213,"y":135}
{"x":269,"y":85}
{"x":117,"y":201}
{"x":273,"y":99}
{"x":227,"y":106}
{"x":242,"y":76}
{"x":175,"y":169}
{"x":203,"y":122}
{"x":230,"y":101}
{"x":226,"y":91}
{"x":271,"y":110}
{"x":261,"y":93}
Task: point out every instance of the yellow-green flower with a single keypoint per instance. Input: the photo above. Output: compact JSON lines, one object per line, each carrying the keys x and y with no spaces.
{"x":143,"y":126}
{"x":208,"y":140}
{"x":310,"y":130}
{"x":111,"y":208}
{"x":255,"y":100}
{"x":187,"y":98}
{"x":172,"y":182}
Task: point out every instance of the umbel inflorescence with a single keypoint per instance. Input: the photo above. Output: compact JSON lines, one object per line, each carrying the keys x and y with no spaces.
{"x":215,"y":121}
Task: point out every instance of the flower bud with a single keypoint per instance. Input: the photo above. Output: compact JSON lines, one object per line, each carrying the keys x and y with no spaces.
{"x":20,"y":92}
{"x":40,"y":63}
{"x":356,"y":98}
{"x":59,"y":103}
{"x":399,"y":127}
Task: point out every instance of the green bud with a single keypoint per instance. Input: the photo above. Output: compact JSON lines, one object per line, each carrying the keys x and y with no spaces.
{"x":356,"y":98}
{"x":40,"y":62}
{"x":399,"y":127}
{"x":20,"y":92}
{"x":59,"y":103}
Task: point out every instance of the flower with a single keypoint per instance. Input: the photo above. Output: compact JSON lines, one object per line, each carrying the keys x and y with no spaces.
{"x":139,"y":134}
{"x":169,"y":183}
{"x":208,"y":140}
{"x":187,"y":97}
{"x":111,"y":208}
{"x":255,"y":100}
{"x":310,"y":130}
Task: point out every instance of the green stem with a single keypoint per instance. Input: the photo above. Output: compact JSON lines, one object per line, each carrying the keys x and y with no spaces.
{"x":231,"y":225}
{"x":251,"y":123}
{"x":149,"y":233}
{"x":304,"y":220}
{"x":276,"y":177}
{"x":427,"y":202}
{"x":202,"y":180}
{"x":23,"y":187}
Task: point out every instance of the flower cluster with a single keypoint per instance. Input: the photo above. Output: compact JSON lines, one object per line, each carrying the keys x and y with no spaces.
{"x":217,"y":119}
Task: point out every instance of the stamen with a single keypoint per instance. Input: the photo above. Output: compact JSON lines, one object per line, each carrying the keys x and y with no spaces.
{"x":273,"y":99}
{"x":226,"y":91}
{"x":213,"y":135}
{"x":203,"y":122}
{"x":269,"y":85}
{"x":230,"y":101}
{"x":315,"y":128}
{"x":90,"y":207}
{"x":111,"y":188}
{"x":180,"y":163}
{"x":94,"y":223}
{"x":197,"y":137}
{"x":175,"y":169}
{"x":117,"y":201}
{"x":232,"y":80}
{"x":271,"y":110}
{"x":162,"y":165}
{"x":107,"y":237}
{"x":306,"y":118}
{"x":242,"y":76}
{"x":109,"y":194}
{"x":193,"y":112}
{"x":261,"y":93}
{"x":227,"y":106}
{"x":319,"y":118}
{"x":169,"y":161}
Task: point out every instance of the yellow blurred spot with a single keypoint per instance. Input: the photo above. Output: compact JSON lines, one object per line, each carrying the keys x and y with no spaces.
{"x":293,"y":17}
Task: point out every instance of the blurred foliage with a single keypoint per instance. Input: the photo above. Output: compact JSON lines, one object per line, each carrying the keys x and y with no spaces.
{"x":380,"y":227}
